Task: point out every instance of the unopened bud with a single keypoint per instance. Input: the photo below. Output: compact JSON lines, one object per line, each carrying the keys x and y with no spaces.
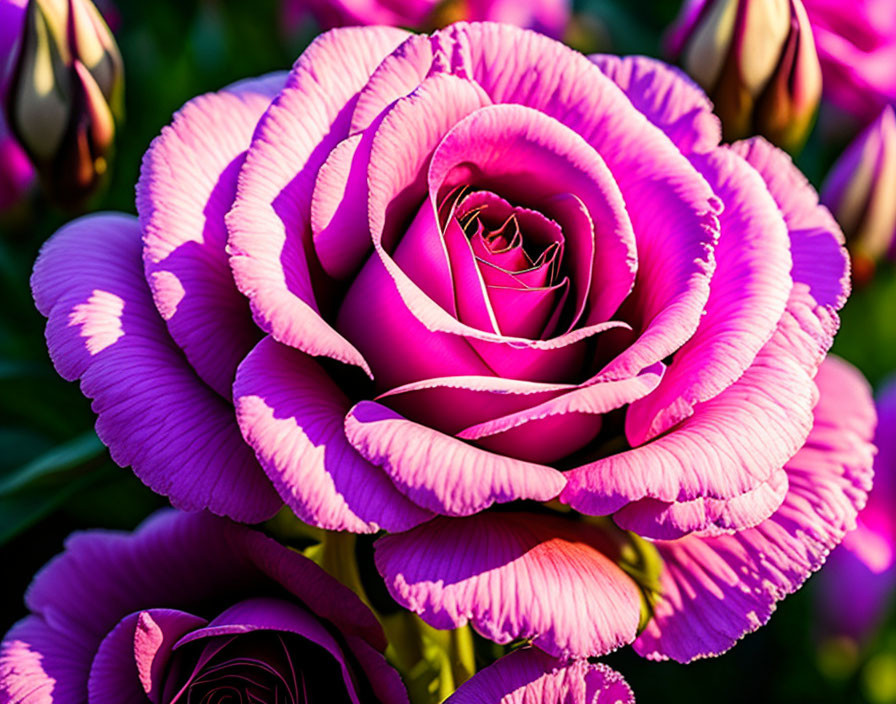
{"x":64,"y":97}
{"x":756,"y":59}
{"x":861,"y":193}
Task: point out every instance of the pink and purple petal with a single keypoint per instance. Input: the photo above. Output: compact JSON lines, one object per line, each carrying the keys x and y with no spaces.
{"x":715,"y":589}
{"x":293,"y":414}
{"x":667,"y":97}
{"x":269,"y":226}
{"x":747,"y":297}
{"x":514,"y":575}
{"x":154,"y":412}
{"x":529,"y":676}
{"x":186,"y":187}
{"x":441,"y":473}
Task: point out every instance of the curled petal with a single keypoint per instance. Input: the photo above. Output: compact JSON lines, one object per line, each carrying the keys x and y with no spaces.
{"x":292,"y":414}
{"x":269,"y":238}
{"x":441,"y":473}
{"x":154,"y":412}
{"x":714,"y":589}
{"x":514,"y":576}
{"x":668,"y":97}
{"x":187,"y":184}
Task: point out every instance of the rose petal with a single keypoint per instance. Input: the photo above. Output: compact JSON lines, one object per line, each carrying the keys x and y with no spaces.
{"x":819,"y":258}
{"x":154,"y":412}
{"x":514,"y":576}
{"x":747,"y":297}
{"x":292,"y":414}
{"x":43,"y":665}
{"x":187,"y":184}
{"x":661,"y":520}
{"x":269,"y":224}
{"x":136,"y":653}
{"x":528,"y":676}
{"x":667,"y":97}
{"x":730,"y":444}
{"x":558,"y":427}
{"x":716,"y":589}
{"x":439,"y":472}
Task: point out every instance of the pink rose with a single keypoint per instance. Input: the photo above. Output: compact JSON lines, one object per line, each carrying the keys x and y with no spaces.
{"x":424,"y":275}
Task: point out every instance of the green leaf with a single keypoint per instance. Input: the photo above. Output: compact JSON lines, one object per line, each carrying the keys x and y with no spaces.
{"x":58,"y":461}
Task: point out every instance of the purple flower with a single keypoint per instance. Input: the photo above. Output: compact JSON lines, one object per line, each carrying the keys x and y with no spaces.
{"x":190,"y":607}
{"x":856,"y":44}
{"x":865,"y":564}
{"x":16,"y":172}
{"x":547,"y":16}
{"x":859,"y":191}
{"x":482,"y":269}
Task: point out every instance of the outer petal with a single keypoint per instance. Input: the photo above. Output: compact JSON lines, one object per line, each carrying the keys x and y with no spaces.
{"x":269,"y":226}
{"x":666,"y":521}
{"x":667,"y":97}
{"x":154,"y":413}
{"x":716,"y":589}
{"x":528,"y":676}
{"x":816,"y":242}
{"x":187,"y":184}
{"x":747,"y":297}
{"x":731,"y":443}
{"x":292,"y":413}
{"x":548,"y":431}
{"x":514,"y":576}
{"x":441,"y":473}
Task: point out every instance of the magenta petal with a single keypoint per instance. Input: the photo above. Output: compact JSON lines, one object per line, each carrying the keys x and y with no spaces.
{"x":514,"y":576}
{"x":748,"y":293}
{"x":548,"y":431}
{"x":535,"y":158}
{"x":819,"y":258}
{"x":667,"y":97}
{"x":452,"y":403}
{"x":269,"y":225}
{"x":439,"y":472}
{"x":716,"y":589}
{"x":398,"y":346}
{"x":131,"y":662}
{"x":730,"y":444}
{"x":528,"y":676}
{"x":675,"y":262}
{"x":292,"y":414}
{"x":187,"y":184}
{"x":338,"y":215}
{"x":667,"y":521}
{"x":154,"y":412}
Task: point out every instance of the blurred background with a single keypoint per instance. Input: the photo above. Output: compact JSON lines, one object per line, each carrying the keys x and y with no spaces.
{"x":55,"y":475}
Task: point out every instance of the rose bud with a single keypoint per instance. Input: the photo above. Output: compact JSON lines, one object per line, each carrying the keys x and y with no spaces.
{"x":859,"y":191}
{"x":65,"y":97}
{"x":757,"y":62}
{"x":16,"y":173}
{"x":192,"y":608}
